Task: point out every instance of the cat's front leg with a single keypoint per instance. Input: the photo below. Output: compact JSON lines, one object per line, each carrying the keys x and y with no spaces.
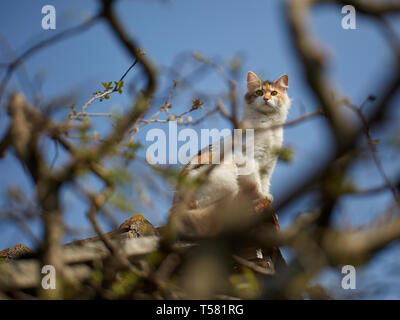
{"x":265,"y":185}
{"x":265,"y":195}
{"x":264,"y":190}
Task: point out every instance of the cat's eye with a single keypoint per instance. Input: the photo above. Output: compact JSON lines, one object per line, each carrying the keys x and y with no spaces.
{"x":274,"y":93}
{"x":259,"y":93}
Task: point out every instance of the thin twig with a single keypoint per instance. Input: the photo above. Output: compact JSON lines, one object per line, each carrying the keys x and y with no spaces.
{"x":373,"y":151}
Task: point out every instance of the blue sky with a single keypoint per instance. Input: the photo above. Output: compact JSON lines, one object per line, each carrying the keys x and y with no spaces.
{"x":253,"y":30}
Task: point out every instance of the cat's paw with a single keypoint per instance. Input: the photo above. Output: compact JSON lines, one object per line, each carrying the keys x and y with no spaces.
{"x":262,"y":204}
{"x":269,"y":197}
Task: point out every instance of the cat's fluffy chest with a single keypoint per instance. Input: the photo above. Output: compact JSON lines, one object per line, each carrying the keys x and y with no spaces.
{"x":268,"y":135}
{"x":266,"y":144}
{"x":268,"y":139}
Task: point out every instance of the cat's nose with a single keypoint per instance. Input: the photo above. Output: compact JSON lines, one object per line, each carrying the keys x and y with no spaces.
{"x":266,"y":99}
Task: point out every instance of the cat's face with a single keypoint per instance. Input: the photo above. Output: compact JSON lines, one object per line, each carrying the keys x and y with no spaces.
{"x":270,"y":96}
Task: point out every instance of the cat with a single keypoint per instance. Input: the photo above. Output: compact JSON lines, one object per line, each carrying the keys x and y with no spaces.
{"x":266,"y":105}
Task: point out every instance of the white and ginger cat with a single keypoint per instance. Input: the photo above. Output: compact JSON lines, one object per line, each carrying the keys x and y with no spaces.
{"x":266,"y":105}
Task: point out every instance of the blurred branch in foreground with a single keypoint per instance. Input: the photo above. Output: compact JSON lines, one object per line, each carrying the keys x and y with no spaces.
{"x":141,"y":261}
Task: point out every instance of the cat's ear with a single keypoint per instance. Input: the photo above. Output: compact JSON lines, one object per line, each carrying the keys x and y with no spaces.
{"x":253,"y":82}
{"x":282,"y":82}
